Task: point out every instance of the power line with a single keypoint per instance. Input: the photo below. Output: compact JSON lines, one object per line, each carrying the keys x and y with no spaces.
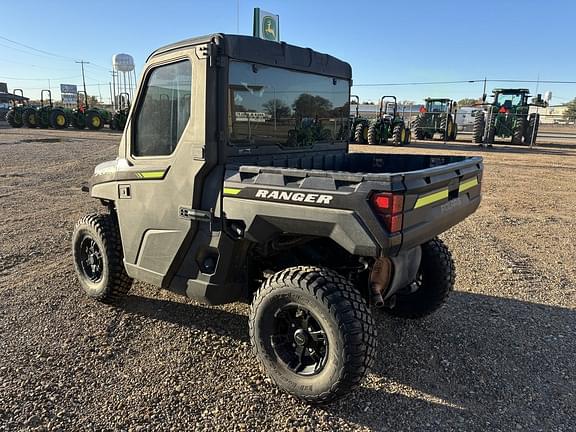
{"x":36,"y":49}
{"x":462,"y":82}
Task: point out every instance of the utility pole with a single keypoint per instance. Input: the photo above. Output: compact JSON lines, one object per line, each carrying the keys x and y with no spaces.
{"x":114,"y":88}
{"x":82,"y":62}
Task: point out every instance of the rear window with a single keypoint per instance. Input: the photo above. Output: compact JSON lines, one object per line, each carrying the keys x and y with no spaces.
{"x":274,"y":106}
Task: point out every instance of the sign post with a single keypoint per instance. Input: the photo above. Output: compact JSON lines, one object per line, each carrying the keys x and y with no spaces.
{"x":266,"y":25}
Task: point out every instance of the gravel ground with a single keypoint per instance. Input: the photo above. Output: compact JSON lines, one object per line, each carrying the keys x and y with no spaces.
{"x":499,"y":356}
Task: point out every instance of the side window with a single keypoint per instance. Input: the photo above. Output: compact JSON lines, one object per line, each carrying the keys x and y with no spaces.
{"x":164,"y":111}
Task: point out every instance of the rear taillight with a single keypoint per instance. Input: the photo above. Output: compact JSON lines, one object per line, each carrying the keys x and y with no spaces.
{"x":388,"y":207}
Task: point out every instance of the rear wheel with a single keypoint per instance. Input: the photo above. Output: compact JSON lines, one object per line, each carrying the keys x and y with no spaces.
{"x":532,"y":129}
{"x":399,"y":135}
{"x":312,"y":332}
{"x":519,"y":130}
{"x":479,"y":125}
{"x":434,"y":283}
{"x":98,"y":257}
{"x":417,"y":127}
{"x":374,"y":134}
{"x":94,"y":120}
{"x":11,"y":119}
{"x":361,"y":133}
{"x":58,"y":119}
{"x":447,"y":127}
{"x":30,"y":118}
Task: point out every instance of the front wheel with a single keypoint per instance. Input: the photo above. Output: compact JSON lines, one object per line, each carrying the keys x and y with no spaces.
{"x":312,"y":332}
{"x":399,"y":135}
{"x":94,"y":120}
{"x":434,"y":282}
{"x":98,"y":258}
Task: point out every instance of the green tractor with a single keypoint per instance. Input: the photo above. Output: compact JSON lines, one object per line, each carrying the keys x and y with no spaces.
{"x":508,"y":117}
{"x":437,"y":116}
{"x":389,"y":125}
{"x":358,"y":125}
{"x":120,"y":116}
{"x":83,"y":116}
{"x":17,"y":107}
{"x":46,"y":115}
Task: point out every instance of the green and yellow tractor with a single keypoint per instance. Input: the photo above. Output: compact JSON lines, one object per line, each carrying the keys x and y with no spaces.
{"x":46,"y":115}
{"x":437,"y":116}
{"x":508,"y":116}
{"x":389,"y":125}
{"x":83,"y":116}
{"x":17,"y":107}
{"x":120,"y":116}
{"x":358,"y":125}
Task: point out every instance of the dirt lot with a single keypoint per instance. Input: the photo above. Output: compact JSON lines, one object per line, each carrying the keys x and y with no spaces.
{"x":499,"y":356}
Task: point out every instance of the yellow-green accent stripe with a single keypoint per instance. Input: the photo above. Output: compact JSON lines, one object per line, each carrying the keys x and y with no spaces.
{"x":432,"y":198}
{"x":150,"y":175}
{"x":231,"y":191}
{"x":468,"y":184}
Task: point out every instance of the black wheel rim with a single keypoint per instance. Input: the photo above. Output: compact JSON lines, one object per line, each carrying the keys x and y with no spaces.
{"x":91,"y":260}
{"x":299,"y":340}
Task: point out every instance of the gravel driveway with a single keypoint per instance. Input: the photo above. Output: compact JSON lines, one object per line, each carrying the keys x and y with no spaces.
{"x":499,"y":356}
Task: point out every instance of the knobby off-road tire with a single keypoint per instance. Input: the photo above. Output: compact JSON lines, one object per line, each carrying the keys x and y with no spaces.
{"x":30,"y":118}
{"x":399,"y":135}
{"x":58,"y":119}
{"x":94,"y":120}
{"x":435,"y":281}
{"x":359,"y":133}
{"x":374,"y":134}
{"x":532,"y":129}
{"x":11,"y":119}
{"x":334,"y":306}
{"x":478,"y":128}
{"x":98,"y":258}
{"x":519,"y":130}
{"x":445,"y":126}
{"x":417,"y":127}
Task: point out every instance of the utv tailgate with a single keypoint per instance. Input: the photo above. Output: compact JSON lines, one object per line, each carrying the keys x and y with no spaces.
{"x":438,"y":191}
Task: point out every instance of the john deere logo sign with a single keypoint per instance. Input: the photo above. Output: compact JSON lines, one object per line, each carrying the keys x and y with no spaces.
{"x":266,"y":25}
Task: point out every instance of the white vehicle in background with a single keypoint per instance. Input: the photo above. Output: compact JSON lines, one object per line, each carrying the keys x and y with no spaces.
{"x":465,"y":118}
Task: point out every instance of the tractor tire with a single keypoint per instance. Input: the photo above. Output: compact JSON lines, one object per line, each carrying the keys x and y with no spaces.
{"x":478,"y":128}
{"x":30,"y":118}
{"x":417,"y":127}
{"x":374,"y":134}
{"x":532,"y":129}
{"x":454,"y":132}
{"x":447,"y":127}
{"x":11,"y":119}
{"x":94,"y":120}
{"x":58,"y":119}
{"x":399,"y":135}
{"x":434,"y":283}
{"x":519,"y":131}
{"x":408,"y":139}
{"x":491,"y":134}
{"x":360,"y":133}
{"x":296,"y":315}
{"x":98,"y":258}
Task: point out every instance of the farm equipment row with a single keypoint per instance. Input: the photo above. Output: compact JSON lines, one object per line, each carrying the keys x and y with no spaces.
{"x":47,"y":115}
{"x":506,"y":117}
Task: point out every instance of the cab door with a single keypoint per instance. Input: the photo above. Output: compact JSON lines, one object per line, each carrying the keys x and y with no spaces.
{"x":162,"y":162}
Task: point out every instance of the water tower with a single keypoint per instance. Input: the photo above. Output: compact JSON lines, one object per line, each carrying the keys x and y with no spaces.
{"x":123,"y":75}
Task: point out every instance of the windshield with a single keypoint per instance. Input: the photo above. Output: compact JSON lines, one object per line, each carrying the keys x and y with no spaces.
{"x":436,"y":106}
{"x":509,"y":100}
{"x":270,"y":105}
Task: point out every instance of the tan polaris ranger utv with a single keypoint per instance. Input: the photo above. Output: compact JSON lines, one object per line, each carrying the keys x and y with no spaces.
{"x":233,"y":182}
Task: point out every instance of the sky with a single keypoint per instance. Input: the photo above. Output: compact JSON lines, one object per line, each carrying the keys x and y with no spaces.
{"x":385,"y":42}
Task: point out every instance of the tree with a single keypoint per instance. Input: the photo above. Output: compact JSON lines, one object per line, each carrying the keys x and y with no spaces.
{"x":277,"y":108}
{"x":570,"y":113}
{"x":311,"y":106}
{"x":466,"y":102}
